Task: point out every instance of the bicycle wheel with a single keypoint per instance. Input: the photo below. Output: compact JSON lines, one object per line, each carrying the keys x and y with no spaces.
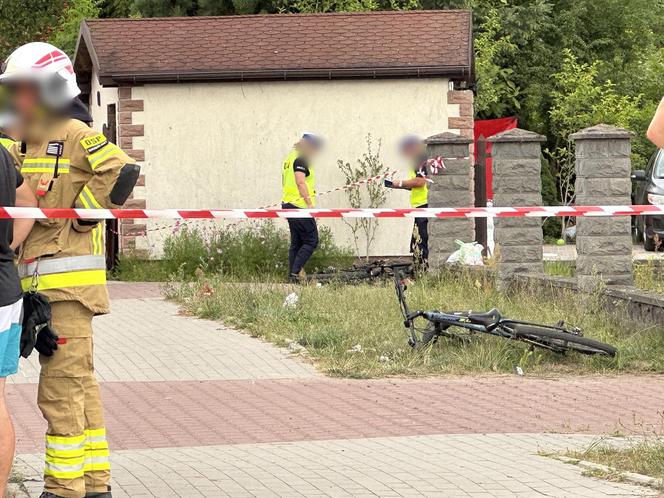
{"x":560,"y":340}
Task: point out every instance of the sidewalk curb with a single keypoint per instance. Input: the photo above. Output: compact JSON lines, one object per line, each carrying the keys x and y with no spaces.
{"x":630,"y":477}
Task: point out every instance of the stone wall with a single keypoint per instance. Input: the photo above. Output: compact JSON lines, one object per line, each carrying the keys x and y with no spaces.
{"x":450,"y":188}
{"x":517,"y":182}
{"x":603,"y":169}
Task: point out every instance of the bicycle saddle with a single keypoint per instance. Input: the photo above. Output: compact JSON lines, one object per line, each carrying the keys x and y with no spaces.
{"x":489,"y":319}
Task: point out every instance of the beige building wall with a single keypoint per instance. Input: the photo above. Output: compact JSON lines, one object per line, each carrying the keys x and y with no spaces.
{"x":221,"y":145}
{"x":98,"y":108}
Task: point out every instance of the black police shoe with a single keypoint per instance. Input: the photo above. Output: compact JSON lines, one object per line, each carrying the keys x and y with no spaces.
{"x":104,"y":494}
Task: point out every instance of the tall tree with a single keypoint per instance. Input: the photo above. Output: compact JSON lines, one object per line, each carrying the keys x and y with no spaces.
{"x":65,"y":35}
{"x":26,"y":21}
{"x":115,"y":8}
{"x":165,"y":8}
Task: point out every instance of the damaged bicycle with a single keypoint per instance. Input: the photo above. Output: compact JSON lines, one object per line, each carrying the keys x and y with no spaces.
{"x":463,"y":326}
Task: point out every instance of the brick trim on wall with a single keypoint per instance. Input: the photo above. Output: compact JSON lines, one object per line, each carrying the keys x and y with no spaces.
{"x":127,"y":131}
{"x":463,"y":123}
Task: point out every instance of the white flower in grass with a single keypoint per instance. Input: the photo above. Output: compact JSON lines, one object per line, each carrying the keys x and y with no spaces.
{"x":355,"y":349}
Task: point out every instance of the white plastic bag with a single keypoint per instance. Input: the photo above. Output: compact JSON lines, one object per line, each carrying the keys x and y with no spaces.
{"x":291,"y":301}
{"x":469,"y":253}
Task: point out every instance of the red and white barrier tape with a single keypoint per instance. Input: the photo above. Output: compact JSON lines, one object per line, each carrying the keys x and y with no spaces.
{"x":473,"y":212}
{"x":348,"y":186}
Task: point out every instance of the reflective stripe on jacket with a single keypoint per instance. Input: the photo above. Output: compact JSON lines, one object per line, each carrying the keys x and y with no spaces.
{"x":291,"y":194}
{"x":7,"y":143}
{"x":53,"y":273}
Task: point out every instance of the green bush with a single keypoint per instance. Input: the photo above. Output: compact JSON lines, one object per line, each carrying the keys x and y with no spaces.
{"x":243,"y":250}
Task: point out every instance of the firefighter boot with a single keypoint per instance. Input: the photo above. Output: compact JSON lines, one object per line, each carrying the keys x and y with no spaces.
{"x":104,"y":494}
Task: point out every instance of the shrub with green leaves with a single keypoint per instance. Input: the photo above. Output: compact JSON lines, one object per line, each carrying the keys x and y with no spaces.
{"x":243,"y":250}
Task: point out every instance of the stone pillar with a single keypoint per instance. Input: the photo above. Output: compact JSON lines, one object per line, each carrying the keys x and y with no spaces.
{"x":603,"y":169}
{"x":517,"y":167}
{"x":451,"y":188}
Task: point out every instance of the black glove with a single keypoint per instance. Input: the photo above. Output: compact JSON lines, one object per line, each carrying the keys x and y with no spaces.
{"x":47,"y":341}
{"x":28,"y":341}
{"x":388,"y":183}
{"x":36,"y":315}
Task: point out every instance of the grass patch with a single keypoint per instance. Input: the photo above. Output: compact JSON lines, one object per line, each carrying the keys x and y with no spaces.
{"x":238,"y":252}
{"x":646,"y":457}
{"x":133,"y":269}
{"x":649,"y":275}
{"x":357,"y":331}
{"x":560,"y":268}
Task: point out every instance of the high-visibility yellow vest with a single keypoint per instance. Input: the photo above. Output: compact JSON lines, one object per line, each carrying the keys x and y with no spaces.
{"x":291,"y":194}
{"x":6,"y":142}
{"x":418,"y":195}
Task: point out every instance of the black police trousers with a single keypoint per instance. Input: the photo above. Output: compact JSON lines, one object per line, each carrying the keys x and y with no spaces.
{"x":419,"y":242}
{"x":304,"y":240}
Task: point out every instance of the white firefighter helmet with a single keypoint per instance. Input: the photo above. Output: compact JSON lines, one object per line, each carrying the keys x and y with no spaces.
{"x":46,"y":66}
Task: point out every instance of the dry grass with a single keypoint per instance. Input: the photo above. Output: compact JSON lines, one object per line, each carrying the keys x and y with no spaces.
{"x":649,"y":276}
{"x":644,"y":457}
{"x":357,"y":331}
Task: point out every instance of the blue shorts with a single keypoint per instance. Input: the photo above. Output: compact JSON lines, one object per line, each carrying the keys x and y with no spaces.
{"x":10,"y":338}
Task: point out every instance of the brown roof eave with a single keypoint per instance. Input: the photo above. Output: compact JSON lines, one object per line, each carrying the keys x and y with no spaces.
{"x":460,"y":73}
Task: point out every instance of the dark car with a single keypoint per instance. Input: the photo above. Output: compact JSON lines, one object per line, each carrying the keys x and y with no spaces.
{"x":650,"y":190}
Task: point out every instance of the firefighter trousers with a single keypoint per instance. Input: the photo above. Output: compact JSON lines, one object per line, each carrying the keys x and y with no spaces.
{"x":77,"y":455}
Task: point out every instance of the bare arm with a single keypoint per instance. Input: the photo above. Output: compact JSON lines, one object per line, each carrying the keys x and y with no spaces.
{"x":24,"y":198}
{"x":412,"y":183}
{"x":656,"y":129}
{"x":300,"y":180}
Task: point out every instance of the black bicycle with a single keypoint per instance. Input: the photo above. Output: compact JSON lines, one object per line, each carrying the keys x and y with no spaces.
{"x":374,"y":271}
{"x":462,"y":326}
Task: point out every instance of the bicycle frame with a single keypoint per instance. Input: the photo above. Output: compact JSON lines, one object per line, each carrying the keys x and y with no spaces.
{"x":557,"y":338}
{"x":451,"y":319}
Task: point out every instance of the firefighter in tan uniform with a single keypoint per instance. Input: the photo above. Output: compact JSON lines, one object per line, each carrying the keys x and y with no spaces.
{"x":67,"y":164}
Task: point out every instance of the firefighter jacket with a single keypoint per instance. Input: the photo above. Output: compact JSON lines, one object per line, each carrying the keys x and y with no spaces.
{"x":67,"y":164}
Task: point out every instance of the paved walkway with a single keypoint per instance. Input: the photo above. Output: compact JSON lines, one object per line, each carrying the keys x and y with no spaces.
{"x":432,"y":466}
{"x":196,"y":409}
{"x":568,"y":253}
{"x":147,"y":340}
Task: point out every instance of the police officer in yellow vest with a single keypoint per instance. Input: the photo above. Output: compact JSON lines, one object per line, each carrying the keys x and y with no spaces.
{"x":298,"y":182}
{"x":66,"y":164}
{"x":413,"y":149}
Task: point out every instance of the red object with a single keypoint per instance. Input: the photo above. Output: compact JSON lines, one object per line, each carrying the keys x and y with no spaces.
{"x":451,"y":212}
{"x":62,"y":340}
{"x":487,"y":128}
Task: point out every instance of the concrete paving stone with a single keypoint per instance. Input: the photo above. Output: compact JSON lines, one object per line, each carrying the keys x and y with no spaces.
{"x":354,"y":474}
{"x":148,"y":340}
